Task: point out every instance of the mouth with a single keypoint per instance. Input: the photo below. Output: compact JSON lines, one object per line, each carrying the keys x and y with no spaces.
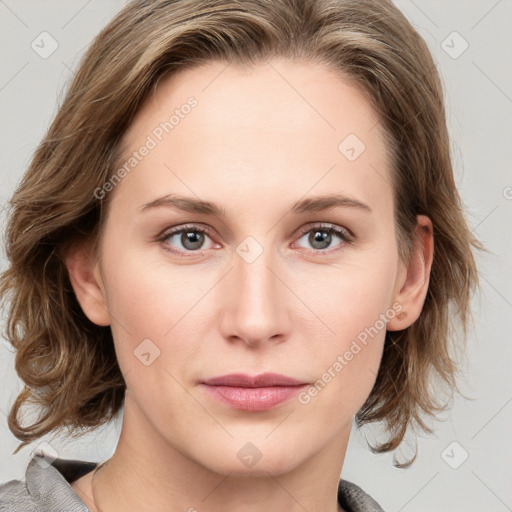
{"x":259,"y":393}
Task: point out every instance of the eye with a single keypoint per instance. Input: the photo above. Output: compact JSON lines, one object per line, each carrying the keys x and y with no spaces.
{"x":189,"y":238}
{"x":321,"y":237}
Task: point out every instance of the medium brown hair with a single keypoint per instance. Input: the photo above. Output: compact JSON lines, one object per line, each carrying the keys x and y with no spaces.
{"x":68,"y":364}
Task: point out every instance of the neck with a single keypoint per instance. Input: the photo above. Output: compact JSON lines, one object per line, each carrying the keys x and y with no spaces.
{"x":145,"y":473}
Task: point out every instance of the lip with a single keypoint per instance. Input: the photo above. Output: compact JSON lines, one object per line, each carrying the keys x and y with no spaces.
{"x":253,"y":393}
{"x":242,"y":380}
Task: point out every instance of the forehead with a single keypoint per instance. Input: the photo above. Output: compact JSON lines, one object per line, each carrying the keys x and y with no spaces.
{"x":295,"y":124}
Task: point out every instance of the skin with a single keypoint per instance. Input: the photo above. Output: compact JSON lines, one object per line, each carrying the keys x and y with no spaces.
{"x":258,"y":141}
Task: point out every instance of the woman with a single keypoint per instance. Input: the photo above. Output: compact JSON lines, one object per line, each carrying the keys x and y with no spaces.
{"x":242,"y":227}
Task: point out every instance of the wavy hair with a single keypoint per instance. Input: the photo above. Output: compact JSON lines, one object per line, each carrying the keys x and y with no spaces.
{"x":67,"y":363}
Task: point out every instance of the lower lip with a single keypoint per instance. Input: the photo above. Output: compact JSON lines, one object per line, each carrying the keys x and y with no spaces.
{"x":254,"y":399}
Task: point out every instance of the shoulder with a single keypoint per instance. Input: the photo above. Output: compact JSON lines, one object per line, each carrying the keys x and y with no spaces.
{"x":14,"y":497}
{"x":353,"y":499}
{"x":46,"y":487}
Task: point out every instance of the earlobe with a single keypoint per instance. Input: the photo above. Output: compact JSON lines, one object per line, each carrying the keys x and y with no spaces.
{"x":413,"y":290}
{"x":85,"y":278}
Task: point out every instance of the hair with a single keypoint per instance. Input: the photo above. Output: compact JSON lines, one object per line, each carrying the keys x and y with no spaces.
{"x":67,"y":363}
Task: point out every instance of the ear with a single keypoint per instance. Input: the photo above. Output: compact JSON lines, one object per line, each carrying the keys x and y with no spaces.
{"x":414,"y":277}
{"x":85,"y":277}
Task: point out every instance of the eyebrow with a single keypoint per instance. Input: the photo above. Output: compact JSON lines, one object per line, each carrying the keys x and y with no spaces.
{"x":307,"y":205}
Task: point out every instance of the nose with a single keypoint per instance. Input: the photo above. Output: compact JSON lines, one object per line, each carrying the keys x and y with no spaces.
{"x":254,"y":305}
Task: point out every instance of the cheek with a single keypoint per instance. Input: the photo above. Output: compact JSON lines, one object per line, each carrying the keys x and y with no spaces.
{"x":169,"y":304}
{"x":354,"y":305}
{"x":346,"y":361}
{"x":350,"y":295}
{"x":146,"y":299}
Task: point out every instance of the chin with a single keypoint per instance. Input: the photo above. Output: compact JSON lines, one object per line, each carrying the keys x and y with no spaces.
{"x":254,"y":460}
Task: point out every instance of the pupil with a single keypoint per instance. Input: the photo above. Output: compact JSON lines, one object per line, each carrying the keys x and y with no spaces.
{"x":192,"y":240}
{"x":321,"y":237}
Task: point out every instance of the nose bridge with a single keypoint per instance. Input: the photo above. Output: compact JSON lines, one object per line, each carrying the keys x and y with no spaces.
{"x":256,"y":311}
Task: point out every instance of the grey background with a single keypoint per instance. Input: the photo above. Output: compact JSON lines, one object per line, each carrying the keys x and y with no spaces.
{"x":478,"y":86}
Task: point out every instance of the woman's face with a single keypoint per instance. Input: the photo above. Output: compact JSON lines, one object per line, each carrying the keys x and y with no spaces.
{"x":256,"y":281}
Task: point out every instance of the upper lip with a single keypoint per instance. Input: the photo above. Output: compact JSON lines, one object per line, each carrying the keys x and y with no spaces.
{"x":257,"y":381}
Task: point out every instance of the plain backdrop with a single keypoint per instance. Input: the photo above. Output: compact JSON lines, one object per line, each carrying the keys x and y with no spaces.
{"x":465,"y":465}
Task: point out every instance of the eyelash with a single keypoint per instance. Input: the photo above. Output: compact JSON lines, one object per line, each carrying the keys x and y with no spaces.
{"x":344,"y":234}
